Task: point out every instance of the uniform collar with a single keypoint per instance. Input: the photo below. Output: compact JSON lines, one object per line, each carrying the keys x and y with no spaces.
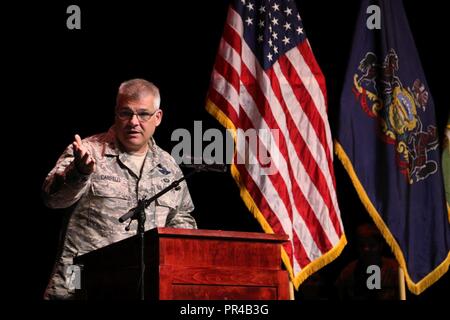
{"x":112,"y":149}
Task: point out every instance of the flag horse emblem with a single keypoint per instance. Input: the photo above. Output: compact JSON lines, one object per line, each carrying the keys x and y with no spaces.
{"x":382,"y":96}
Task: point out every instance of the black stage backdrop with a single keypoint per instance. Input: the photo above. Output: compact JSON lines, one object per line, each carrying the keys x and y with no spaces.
{"x":67,"y":80}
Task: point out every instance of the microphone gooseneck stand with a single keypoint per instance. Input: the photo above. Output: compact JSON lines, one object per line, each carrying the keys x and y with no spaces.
{"x":139,"y":213}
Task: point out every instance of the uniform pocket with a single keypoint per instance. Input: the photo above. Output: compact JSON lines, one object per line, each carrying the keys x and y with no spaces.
{"x":108,"y":202}
{"x":109,"y":198}
{"x":109,"y":190}
{"x":167,"y":200}
{"x":166,"y":208}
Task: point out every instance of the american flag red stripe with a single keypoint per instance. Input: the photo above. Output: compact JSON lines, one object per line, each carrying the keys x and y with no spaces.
{"x":264,"y":108}
{"x":249,"y":91}
{"x":303,"y":151}
{"x":271,"y":217}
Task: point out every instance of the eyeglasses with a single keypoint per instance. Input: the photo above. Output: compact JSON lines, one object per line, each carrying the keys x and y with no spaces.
{"x":143,"y":116}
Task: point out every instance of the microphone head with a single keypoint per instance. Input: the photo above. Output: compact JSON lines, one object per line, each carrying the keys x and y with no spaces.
{"x":215,"y":167}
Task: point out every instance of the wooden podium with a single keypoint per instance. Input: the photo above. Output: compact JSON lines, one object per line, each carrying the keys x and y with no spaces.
{"x":188,"y":264}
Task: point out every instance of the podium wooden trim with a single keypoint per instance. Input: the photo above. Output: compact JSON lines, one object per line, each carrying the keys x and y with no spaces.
{"x":189,"y":264}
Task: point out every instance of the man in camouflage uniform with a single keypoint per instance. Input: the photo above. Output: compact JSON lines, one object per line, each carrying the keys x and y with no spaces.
{"x":105,"y":175}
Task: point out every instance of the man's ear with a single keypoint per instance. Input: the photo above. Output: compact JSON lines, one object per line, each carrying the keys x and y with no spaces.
{"x":158,"y":115}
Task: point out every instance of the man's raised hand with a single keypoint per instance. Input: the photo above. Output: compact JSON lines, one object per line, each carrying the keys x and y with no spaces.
{"x":84,"y":162}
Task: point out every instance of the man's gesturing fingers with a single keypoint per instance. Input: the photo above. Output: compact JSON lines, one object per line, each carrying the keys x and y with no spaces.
{"x":83,"y":160}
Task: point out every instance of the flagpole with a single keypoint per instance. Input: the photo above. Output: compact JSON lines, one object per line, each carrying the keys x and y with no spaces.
{"x":401,"y":284}
{"x":291,"y":291}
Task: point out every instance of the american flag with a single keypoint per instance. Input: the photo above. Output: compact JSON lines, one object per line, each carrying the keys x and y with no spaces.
{"x":266,"y":78}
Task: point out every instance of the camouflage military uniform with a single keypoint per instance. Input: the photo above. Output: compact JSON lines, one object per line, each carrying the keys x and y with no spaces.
{"x":102,"y":197}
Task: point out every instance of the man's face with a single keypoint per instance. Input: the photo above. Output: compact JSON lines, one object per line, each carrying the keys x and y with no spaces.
{"x":370,"y":249}
{"x":136,"y":121}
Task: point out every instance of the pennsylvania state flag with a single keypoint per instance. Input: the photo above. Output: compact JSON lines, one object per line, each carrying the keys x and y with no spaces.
{"x":446,"y":163}
{"x":388,"y":142}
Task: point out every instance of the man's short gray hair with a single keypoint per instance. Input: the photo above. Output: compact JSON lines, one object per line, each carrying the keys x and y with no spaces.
{"x":136,"y":89}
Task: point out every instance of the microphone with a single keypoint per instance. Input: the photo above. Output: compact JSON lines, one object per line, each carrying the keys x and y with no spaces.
{"x":134,"y":212}
{"x":129,"y":214}
{"x":214,"y":167}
